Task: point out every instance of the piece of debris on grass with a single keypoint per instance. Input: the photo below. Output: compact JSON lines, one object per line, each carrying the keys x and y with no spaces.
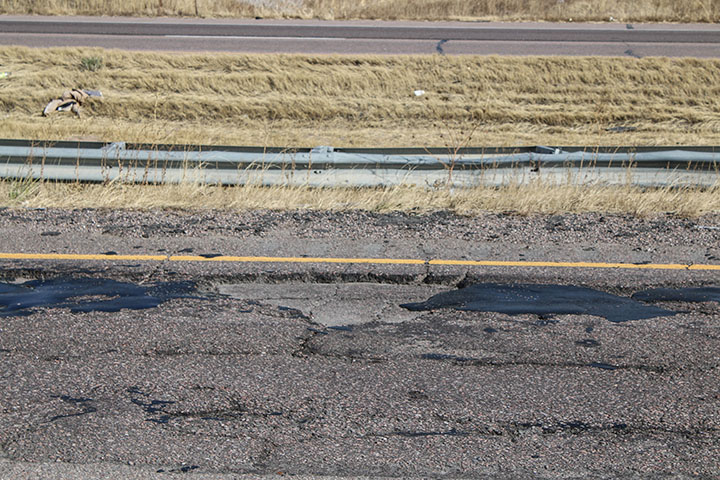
{"x":70,"y":100}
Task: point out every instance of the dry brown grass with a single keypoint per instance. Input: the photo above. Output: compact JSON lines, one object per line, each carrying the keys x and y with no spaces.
{"x":293,"y":100}
{"x":536,"y":198}
{"x":548,"y":10}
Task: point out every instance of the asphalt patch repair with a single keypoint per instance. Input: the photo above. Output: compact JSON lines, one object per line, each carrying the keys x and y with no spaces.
{"x":699,"y":294}
{"x":558,"y":300}
{"x":87,"y":295}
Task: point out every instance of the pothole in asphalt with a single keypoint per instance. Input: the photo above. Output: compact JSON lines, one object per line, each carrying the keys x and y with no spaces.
{"x":540,"y":300}
{"x":361,"y":302}
{"x":86,"y":295}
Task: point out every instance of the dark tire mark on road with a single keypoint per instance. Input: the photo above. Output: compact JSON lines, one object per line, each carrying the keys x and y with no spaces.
{"x":184,"y":469}
{"x":153,"y":407}
{"x":81,"y":402}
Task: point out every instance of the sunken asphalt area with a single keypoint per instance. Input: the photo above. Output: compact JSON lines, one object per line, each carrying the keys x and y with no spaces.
{"x":217,"y":369}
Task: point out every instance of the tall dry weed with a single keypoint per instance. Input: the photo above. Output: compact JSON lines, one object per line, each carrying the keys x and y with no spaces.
{"x":535,"y":198}
{"x":547,"y":10}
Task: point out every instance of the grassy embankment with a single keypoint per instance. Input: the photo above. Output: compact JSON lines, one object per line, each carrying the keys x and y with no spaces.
{"x":294,"y":100}
{"x":525,"y":200}
{"x":544,"y":10}
{"x":289,"y":100}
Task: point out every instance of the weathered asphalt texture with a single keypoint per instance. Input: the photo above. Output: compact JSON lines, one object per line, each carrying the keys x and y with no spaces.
{"x":315,"y":370}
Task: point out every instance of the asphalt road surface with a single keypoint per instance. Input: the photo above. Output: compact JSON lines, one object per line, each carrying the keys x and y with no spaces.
{"x":364,"y":37}
{"x":215,"y":367}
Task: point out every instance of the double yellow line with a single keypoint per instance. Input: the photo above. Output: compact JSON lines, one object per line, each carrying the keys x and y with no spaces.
{"x":368,"y":261}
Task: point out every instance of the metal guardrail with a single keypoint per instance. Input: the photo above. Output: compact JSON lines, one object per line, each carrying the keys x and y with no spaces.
{"x":327,"y":166}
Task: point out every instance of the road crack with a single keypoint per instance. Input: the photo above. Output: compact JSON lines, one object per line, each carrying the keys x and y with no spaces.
{"x":439,"y":46}
{"x":571,"y":427}
{"x":480,"y":362}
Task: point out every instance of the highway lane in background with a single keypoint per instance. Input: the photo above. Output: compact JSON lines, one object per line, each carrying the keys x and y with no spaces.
{"x":315,"y":37}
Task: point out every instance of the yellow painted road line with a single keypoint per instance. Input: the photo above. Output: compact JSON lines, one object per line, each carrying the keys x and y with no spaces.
{"x":704,"y":267}
{"x":641,"y":266}
{"x":368,"y":261}
{"x":78,"y":256}
{"x":224,"y":258}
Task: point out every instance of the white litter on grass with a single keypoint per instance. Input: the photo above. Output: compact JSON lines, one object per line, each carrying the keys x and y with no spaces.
{"x":419,"y":93}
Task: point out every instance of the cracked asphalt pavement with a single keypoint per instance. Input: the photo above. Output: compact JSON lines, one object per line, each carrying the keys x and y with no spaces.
{"x":220,"y":370}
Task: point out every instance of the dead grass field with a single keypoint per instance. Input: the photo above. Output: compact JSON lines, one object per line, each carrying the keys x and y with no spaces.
{"x":545,"y":10}
{"x":300,"y":101}
{"x":291,"y":100}
{"x":537,"y":198}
